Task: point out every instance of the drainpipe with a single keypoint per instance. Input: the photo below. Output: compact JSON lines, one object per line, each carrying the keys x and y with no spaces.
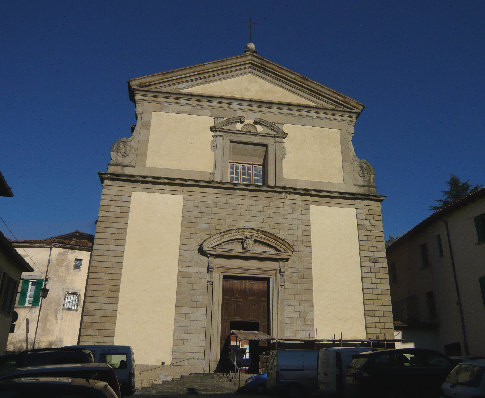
{"x":42,"y":299}
{"x":458,"y":296}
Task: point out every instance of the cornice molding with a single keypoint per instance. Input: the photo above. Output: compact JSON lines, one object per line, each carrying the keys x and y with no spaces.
{"x":219,"y":103}
{"x":134,"y":178}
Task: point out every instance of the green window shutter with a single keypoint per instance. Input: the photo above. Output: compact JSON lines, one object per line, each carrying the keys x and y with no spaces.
{"x":480,"y":227}
{"x":38,"y":285}
{"x":23,"y":291}
{"x":482,"y":288}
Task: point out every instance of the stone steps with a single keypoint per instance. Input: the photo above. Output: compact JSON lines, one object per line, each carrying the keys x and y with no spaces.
{"x":202,"y":383}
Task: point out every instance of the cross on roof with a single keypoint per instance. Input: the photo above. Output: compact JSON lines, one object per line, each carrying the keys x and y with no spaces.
{"x":250,"y":23}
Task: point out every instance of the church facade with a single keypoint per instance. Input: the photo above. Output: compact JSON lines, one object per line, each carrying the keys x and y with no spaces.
{"x":238,"y":202}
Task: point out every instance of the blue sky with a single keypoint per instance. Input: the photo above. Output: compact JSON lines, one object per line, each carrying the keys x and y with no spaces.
{"x":418,"y":66}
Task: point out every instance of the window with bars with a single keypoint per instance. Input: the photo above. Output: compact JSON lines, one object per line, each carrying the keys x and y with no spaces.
{"x":71,"y":301}
{"x":246,"y":173}
{"x":78,"y":263}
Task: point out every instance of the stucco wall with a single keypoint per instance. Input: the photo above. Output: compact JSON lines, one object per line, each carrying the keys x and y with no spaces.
{"x":180,"y":141}
{"x":312,"y":153}
{"x":337,"y":278}
{"x":414,"y":279}
{"x":248,"y":87}
{"x":57,"y":326}
{"x":146,"y":306}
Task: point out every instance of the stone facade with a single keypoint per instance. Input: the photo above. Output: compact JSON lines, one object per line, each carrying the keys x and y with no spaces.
{"x":234,"y":229}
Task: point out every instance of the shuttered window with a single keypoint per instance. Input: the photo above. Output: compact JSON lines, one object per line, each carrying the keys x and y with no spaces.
{"x":8,"y":291}
{"x":480,"y":227}
{"x":30,"y":292}
{"x":482,"y":287}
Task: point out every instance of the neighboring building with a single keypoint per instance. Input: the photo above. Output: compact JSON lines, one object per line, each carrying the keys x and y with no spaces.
{"x":237,"y":203}
{"x":61,"y":265}
{"x":12,"y":265}
{"x":437,"y":277}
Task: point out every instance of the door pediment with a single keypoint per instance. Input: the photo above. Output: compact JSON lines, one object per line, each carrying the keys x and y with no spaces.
{"x":247,"y":242}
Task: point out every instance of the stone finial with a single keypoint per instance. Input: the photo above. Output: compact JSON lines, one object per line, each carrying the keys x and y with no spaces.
{"x":250,"y":48}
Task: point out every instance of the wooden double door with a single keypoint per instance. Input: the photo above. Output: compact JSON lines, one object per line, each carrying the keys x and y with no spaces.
{"x":245,"y":305}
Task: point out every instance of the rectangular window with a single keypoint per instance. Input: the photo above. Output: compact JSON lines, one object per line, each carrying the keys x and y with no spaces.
{"x":432,"y":314}
{"x":234,"y":173}
{"x":30,"y":292}
{"x":8,"y":291}
{"x":480,"y":227}
{"x":246,"y":173}
{"x":392,"y":273}
{"x":78,"y":263}
{"x":424,"y":255}
{"x":440,"y":245}
{"x":482,"y":287}
{"x":71,"y":301}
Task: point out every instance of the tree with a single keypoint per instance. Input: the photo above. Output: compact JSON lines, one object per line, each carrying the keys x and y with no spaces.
{"x":456,"y":190}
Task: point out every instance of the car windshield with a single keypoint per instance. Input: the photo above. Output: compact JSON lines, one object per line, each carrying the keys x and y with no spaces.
{"x":466,"y":374}
{"x":357,"y":363}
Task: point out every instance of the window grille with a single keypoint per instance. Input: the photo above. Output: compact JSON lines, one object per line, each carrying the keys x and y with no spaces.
{"x":71,"y":301}
{"x":78,"y":262}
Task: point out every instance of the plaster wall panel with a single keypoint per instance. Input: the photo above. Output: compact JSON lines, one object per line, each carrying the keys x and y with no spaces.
{"x":335,"y":265}
{"x":179,"y":141}
{"x":312,"y":153}
{"x":146,"y":306}
{"x":248,"y":86}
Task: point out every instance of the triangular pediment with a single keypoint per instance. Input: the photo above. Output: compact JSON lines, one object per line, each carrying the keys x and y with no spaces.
{"x":247,"y":77}
{"x":250,"y":87}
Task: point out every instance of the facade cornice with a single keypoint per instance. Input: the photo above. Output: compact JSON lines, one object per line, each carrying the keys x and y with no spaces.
{"x":27,"y":244}
{"x":133,"y":178}
{"x":240,"y":104}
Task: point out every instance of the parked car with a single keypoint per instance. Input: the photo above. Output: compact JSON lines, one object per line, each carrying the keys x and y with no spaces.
{"x":49,"y":356}
{"x":406,"y":373}
{"x":256,"y":384}
{"x":88,"y":371}
{"x":121,"y":359}
{"x":55,"y":387}
{"x":292,"y":371}
{"x":332,"y":364}
{"x":466,"y":380}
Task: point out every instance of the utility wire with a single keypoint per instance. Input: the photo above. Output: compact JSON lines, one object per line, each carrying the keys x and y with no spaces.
{"x":25,"y":251}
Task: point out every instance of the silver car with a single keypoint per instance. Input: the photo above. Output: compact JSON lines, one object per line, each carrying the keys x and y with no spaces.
{"x":466,"y":380}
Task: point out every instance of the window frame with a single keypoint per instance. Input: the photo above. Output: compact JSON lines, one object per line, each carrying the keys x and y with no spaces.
{"x":440,"y":245}
{"x":71,"y":294}
{"x":27,"y":285}
{"x":8,"y":290}
{"x":480,"y":227}
{"x":241,"y":164}
{"x":423,"y":248}
{"x":76,"y":262}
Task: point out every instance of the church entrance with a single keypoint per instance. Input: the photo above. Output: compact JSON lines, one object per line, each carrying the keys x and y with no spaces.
{"x":245,"y":306}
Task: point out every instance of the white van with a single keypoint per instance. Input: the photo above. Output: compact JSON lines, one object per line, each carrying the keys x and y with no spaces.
{"x":121,"y":359}
{"x":332,"y":363}
{"x":292,"y":371}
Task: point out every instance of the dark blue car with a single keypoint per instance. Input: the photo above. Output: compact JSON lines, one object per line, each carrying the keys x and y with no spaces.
{"x":255,"y":385}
